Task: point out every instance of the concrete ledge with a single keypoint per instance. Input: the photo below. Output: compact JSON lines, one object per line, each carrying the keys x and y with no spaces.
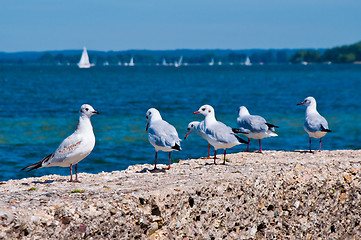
{"x":278,"y":195}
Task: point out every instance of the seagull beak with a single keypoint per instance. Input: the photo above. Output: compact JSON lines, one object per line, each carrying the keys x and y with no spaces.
{"x":95,"y":112}
{"x":301,"y":103}
{"x":146,"y":129}
{"x":186,"y":136}
{"x":196,"y":112}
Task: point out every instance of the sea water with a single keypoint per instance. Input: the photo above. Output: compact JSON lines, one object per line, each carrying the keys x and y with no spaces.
{"x":39,"y":107}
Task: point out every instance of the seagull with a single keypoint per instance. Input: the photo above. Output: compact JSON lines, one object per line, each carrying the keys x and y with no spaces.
{"x":198,"y":128}
{"x":161,"y":134}
{"x":74,"y":148}
{"x":253,"y":126}
{"x":315,"y":125}
{"x":219,"y":135}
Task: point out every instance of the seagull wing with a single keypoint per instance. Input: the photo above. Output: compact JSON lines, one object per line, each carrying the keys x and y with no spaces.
{"x":163,"y":134}
{"x":315,"y":122}
{"x":68,"y":148}
{"x":221,"y":133}
{"x":252,"y":123}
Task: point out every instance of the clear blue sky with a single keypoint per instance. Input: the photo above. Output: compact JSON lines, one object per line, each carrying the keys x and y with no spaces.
{"x":37,"y":25}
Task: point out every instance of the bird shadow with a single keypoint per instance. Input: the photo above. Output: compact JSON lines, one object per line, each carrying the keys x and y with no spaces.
{"x":218,"y":164}
{"x":304,"y":151}
{"x":48,"y":181}
{"x":157,"y":170}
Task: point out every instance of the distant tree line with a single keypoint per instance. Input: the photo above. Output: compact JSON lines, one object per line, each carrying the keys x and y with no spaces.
{"x":343,"y":54}
{"x":265,"y":56}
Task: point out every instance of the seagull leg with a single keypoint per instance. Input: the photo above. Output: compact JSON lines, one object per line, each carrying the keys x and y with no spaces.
{"x":224,"y":157}
{"x":71,"y":173}
{"x":320,"y":145}
{"x":209,"y":148}
{"x":215,"y":153}
{"x":76,"y":173}
{"x":260,"y":147}
{"x":310,"y":145}
{"x":155,"y":164}
{"x":167,"y":168}
{"x":248,"y":145}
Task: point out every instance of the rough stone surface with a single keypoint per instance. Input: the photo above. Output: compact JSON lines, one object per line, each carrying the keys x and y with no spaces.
{"x":274,"y":195}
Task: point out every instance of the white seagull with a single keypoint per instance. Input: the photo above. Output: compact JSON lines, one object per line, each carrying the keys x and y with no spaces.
{"x":74,"y":148}
{"x":253,"y":126}
{"x":315,"y":125}
{"x":198,"y":128}
{"x":161,"y":134}
{"x":219,"y":135}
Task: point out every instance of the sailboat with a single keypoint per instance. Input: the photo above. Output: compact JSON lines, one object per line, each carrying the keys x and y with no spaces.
{"x":211,"y":63}
{"x":84,"y":60}
{"x":131,"y":63}
{"x":247,"y":62}
{"x":179,"y":63}
{"x":164,"y":62}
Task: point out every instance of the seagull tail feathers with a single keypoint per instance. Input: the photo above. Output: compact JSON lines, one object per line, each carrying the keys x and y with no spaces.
{"x":324,"y":129}
{"x":237,"y":131}
{"x":177,"y":147}
{"x":38,"y":164}
{"x":271,"y":126}
{"x":240,"y":139}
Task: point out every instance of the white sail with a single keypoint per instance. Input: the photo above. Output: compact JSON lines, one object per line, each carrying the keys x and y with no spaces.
{"x":211,"y":63}
{"x":84,"y":60}
{"x":164,"y":63}
{"x":247,"y":62}
{"x":131,"y":63}
{"x":179,"y":63}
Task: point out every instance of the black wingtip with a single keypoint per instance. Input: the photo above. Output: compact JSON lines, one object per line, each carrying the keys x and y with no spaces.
{"x":177,"y":147}
{"x":237,"y":131}
{"x":33,"y":166}
{"x":271,"y":125}
{"x":240,"y":139}
{"x":324,"y":129}
{"x":38,"y":164}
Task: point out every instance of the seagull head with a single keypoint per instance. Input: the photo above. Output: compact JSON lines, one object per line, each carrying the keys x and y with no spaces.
{"x":309,"y":101}
{"x":205,"y":110}
{"x":191,"y":128}
{"x":151,"y":115}
{"x":243,"y":111}
{"x":87,"y":110}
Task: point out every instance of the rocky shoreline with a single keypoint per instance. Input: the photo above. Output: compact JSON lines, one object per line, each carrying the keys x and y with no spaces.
{"x":274,"y":195}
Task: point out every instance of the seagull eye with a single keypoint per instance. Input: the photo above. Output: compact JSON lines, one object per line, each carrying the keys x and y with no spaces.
{"x":209,"y":110}
{"x":150,"y":113}
{"x":203,"y":109}
{"x":87,"y":109}
{"x":192,"y":125}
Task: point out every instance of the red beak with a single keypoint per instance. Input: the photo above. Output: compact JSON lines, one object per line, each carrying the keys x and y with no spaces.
{"x":146,"y":129}
{"x":301,"y":103}
{"x":196,"y":112}
{"x":186,"y":136}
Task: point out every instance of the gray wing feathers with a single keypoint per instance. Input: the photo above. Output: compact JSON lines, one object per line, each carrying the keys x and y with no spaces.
{"x":252,"y":123}
{"x":163,"y":134}
{"x":221,"y":133}
{"x":69,"y":144}
{"x":314,"y":122}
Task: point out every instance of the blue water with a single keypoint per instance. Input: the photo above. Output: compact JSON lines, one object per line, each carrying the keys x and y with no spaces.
{"x":39,"y":108}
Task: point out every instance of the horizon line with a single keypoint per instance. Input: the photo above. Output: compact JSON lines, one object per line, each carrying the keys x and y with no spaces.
{"x":164,"y":50}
